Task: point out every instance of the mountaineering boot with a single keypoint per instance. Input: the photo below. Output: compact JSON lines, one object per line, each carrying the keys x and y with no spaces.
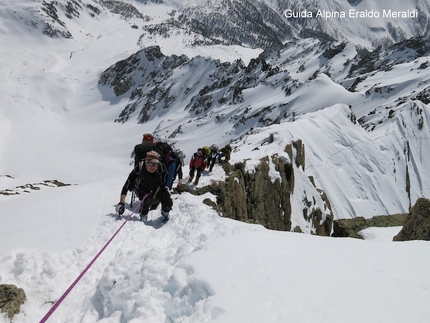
{"x":196,"y":181}
{"x":190,"y":179}
{"x":143,"y":217}
{"x":166,"y":216}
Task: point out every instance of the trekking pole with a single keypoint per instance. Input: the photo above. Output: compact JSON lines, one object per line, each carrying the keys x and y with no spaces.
{"x":132,"y":198}
{"x":61,"y":299}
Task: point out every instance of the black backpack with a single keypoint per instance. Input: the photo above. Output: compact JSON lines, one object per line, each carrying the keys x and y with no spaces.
{"x":141,"y":150}
{"x":164,"y":149}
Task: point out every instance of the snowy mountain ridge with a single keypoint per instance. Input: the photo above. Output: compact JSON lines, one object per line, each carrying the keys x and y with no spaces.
{"x":269,"y":24}
{"x":180,"y":101}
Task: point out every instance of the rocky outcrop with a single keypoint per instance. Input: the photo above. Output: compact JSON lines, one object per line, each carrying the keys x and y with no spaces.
{"x":417,"y":224}
{"x":263,"y":196}
{"x":254,"y":198}
{"x":350,"y":228}
{"x":11,"y":298}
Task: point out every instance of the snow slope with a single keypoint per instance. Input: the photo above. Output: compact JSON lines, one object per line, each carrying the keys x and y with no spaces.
{"x":198,"y":267}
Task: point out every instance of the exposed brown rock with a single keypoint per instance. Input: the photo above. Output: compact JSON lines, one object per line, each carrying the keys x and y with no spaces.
{"x":417,"y":224}
{"x":11,"y":298}
{"x":350,"y":227}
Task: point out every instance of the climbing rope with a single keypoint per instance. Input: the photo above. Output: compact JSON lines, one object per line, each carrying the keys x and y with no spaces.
{"x":61,"y":299}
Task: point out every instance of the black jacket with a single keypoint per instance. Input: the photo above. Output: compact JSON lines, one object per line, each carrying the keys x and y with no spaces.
{"x":143,"y":181}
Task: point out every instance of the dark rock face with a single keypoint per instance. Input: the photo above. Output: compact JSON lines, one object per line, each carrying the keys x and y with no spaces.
{"x":121,"y":8}
{"x":417,"y":224}
{"x":354,"y":2}
{"x":349,"y":228}
{"x":254,"y":198}
{"x":266,"y":27}
{"x":11,"y":298}
{"x":146,"y":77}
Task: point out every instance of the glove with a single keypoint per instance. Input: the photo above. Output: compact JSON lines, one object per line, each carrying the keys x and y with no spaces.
{"x":120,"y":208}
{"x":179,"y":182}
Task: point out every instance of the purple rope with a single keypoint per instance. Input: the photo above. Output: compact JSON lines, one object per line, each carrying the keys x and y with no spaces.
{"x":61,"y":299}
